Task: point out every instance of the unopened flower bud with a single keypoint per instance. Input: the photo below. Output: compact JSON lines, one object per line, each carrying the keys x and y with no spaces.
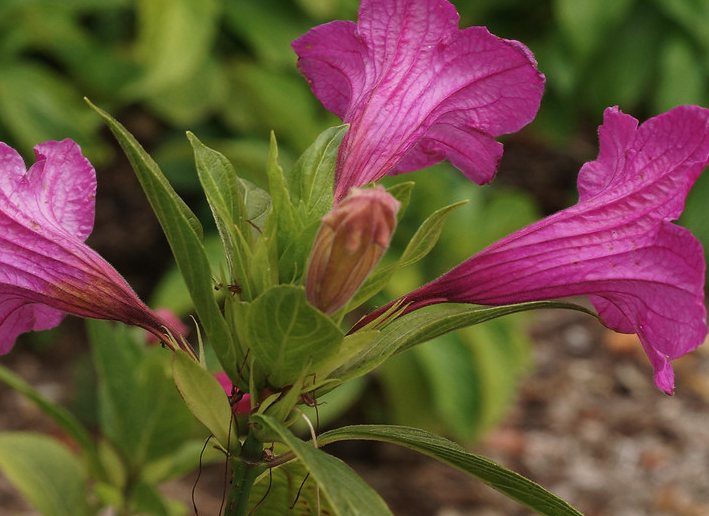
{"x":352,"y":239}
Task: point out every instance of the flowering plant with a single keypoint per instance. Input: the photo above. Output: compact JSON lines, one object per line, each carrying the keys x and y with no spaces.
{"x":412,"y":89}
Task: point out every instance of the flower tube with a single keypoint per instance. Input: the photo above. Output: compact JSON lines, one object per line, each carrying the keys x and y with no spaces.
{"x":643,"y":274}
{"x":416,"y":90}
{"x":46,"y":270}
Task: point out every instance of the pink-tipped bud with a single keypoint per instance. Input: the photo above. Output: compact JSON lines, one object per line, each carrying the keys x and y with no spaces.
{"x":352,"y":239}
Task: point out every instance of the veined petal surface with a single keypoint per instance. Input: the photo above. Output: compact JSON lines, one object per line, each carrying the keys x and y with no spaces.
{"x":416,"y":90}
{"x":643,"y":274}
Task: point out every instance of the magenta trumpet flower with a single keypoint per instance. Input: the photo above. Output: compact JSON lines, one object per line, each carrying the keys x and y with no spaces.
{"x":643,"y":274}
{"x":46,"y":270}
{"x":416,"y":90}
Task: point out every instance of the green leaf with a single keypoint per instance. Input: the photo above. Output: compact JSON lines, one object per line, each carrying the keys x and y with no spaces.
{"x":423,"y":325}
{"x":38,"y":105}
{"x":507,"y":482}
{"x":313,"y":176}
{"x":681,"y":81}
{"x":257,"y":201}
{"x":402,"y":193}
{"x":289,"y":223}
{"x":184,"y":234}
{"x":59,"y":414}
{"x":226,"y":200}
{"x":427,"y":235}
{"x":140,"y":410}
{"x":286,"y":334}
{"x":45,"y":472}
{"x":174,"y":39}
{"x":586,"y":23}
{"x":348,"y":494}
{"x":285,"y":485}
{"x":206,"y":398}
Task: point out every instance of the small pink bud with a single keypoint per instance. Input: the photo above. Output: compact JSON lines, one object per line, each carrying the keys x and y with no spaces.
{"x":352,"y":239}
{"x":240,"y":402}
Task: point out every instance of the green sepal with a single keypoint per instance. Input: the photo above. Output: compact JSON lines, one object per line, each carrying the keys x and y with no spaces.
{"x":507,"y":482}
{"x":184,"y":234}
{"x":285,"y":333}
{"x":347,"y":493}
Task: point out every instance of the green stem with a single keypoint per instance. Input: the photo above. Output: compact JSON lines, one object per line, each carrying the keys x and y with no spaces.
{"x":246,"y":469}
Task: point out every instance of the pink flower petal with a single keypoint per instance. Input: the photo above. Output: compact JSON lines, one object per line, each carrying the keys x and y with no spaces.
{"x":415,"y":89}
{"x":46,"y":270}
{"x":643,"y":274}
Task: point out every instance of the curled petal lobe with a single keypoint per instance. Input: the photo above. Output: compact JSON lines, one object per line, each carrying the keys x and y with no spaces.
{"x":415,"y":89}
{"x":643,"y":274}
{"x":46,"y":270}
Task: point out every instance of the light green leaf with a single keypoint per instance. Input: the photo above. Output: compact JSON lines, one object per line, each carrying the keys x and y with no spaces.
{"x":37,"y":105}
{"x":174,"y":39}
{"x":427,"y":235}
{"x":140,"y":411}
{"x":680,"y":80}
{"x":220,"y":184}
{"x":423,"y":325}
{"x":283,"y":486}
{"x":348,"y":494}
{"x":59,"y":414}
{"x":286,"y":334}
{"x":313,"y":176}
{"x":184,"y":234}
{"x":402,"y":193}
{"x":45,"y":472}
{"x":507,"y":482}
{"x":206,"y":398}
{"x":586,"y":23}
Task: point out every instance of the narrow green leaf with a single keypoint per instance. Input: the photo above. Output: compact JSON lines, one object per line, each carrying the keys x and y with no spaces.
{"x":427,"y":235}
{"x":206,"y":398}
{"x":499,"y":478}
{"x":423,"y":325}
{"x":286,"y":334}
{"x":348,"y":493}
{"x":45,"y":472}
{"x":219,"y":182}
{"x":184,"y":234}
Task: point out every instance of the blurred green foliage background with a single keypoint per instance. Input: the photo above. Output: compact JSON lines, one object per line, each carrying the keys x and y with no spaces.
{"x":224,"y":70}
